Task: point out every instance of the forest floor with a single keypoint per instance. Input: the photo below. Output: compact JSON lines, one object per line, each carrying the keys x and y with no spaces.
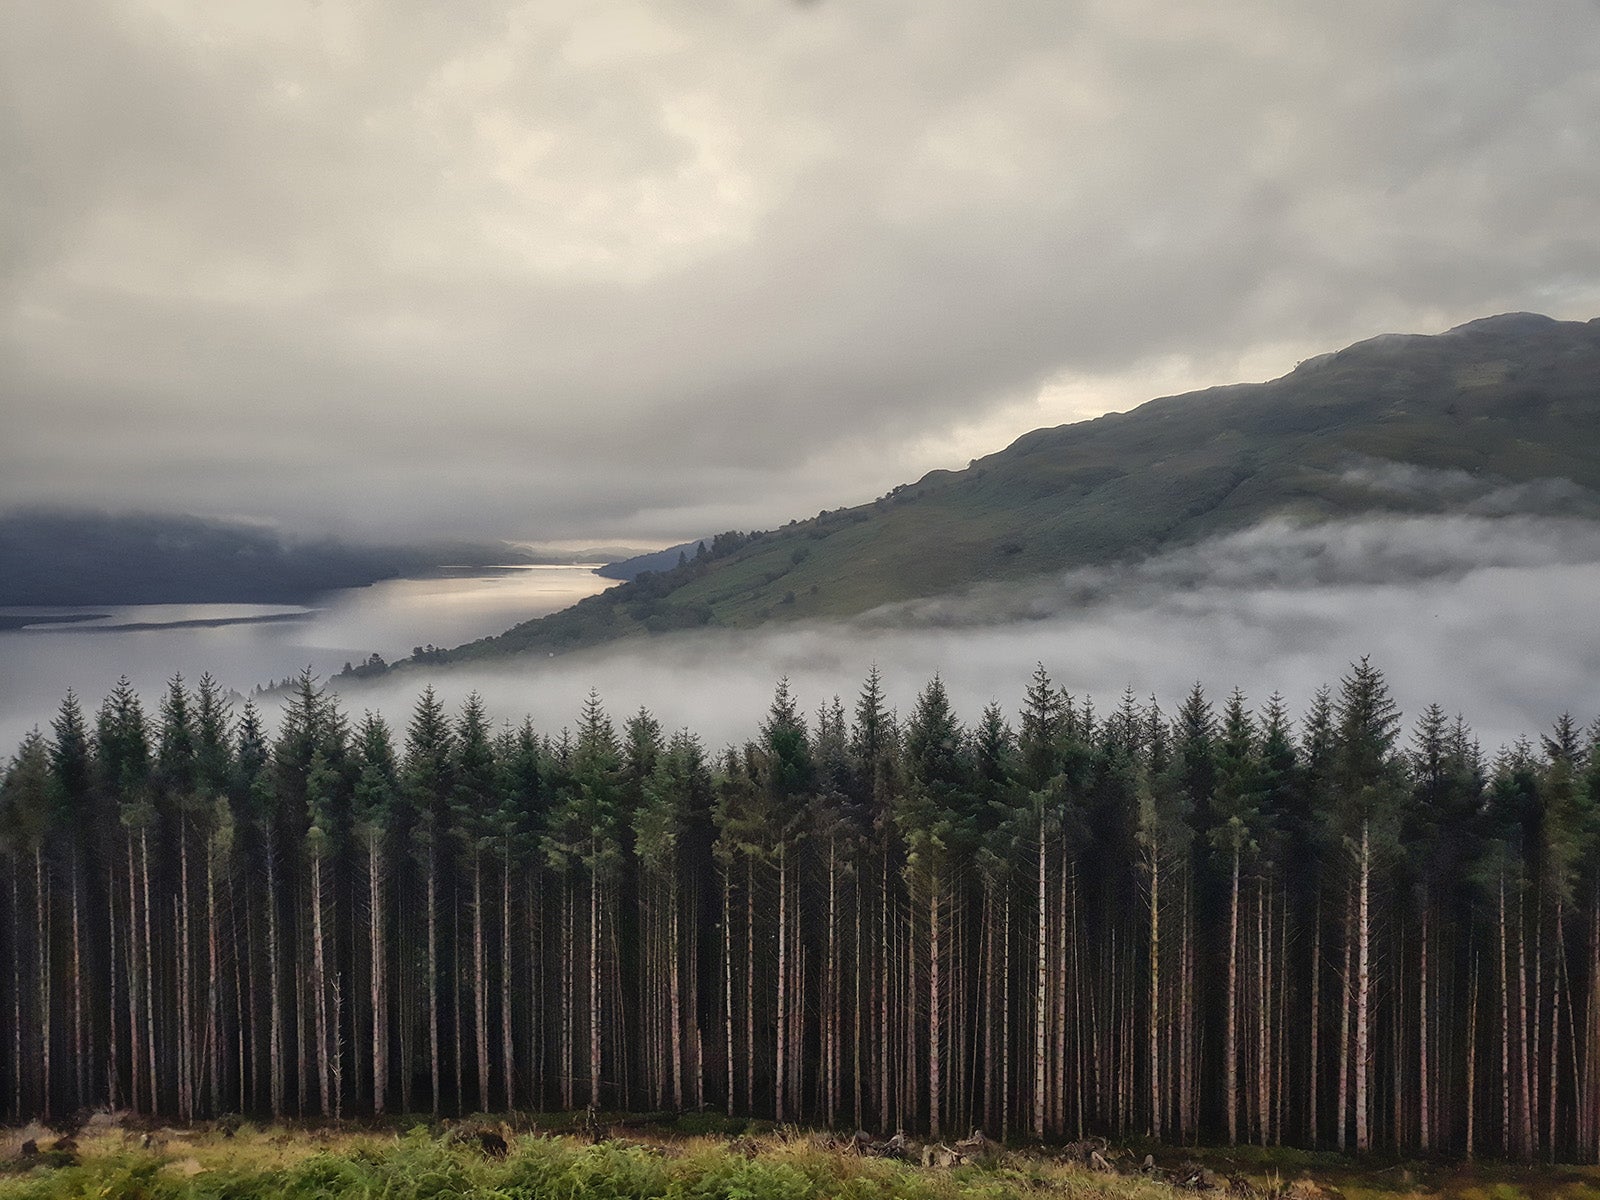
{"x":695,"y":1158}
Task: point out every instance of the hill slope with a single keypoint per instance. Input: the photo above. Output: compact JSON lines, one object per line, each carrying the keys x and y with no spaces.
{"x":1508,"y":400}
{"x":60,"y":557}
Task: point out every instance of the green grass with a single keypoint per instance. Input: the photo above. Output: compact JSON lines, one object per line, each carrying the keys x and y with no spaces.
{"x":704,"y":1160}
{"x":416,"y":1165}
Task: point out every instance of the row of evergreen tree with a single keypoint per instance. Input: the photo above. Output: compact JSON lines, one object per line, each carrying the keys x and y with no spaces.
{"x":1214,"y":925}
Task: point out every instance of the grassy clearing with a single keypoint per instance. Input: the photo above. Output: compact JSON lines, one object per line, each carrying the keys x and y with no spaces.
{"x":674,"y":1164}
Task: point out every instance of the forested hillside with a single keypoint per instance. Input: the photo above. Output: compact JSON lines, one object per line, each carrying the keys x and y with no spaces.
{"x":1216,"y":920}
{"x":1462,"y":420}
{"x":57,"y":557}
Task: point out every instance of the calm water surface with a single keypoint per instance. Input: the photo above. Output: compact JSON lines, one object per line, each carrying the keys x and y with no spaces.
{"x":243,"y":645}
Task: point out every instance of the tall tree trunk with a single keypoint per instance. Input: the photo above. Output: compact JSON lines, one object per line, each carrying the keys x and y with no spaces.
{"x":1230,"y":1051}
{"x":508,"y":1048}
{"x":1346,"y":1000}
{"x":935,"y":1037}
{"x":17,"y":1108}
{"x":1505,"y":1030}
{"x":885,"y":1042}
{"x":1525,"y":1060}
{"x":675,"y":993}
{"x":1263,"y":1047}
{"x":1153,"y":1122}
{"x":855,"y":1012}
{"x":377,"y":936}
{"x":1555,"y":1040}
{"x":1040,"y":1001}
{"x":1363,"y":994}
{"x":433,"y":979}
{"x":80,"y":1059}
{"x":749,"y":983}
{"x":727,"y":973}
{"x":830,"y":999}
{"x":781,"y":1078}
{"x":480,"y":988}
{"x":1472,"y":1062}
{"x":275,"y":992}
{"x":186,"y":1047}
{"x":1314,"y":1060}
{"x":594,"y":989}
{"x":1005,"y":1021}
{"x":213,"y":1033}
{"x":1424,"y":1078}
{"x":41,"y":905}
{"x":319,"y":985}
{"x":986,"y":968}
{"x":149,"y":973}
{"x":113,"y":1048}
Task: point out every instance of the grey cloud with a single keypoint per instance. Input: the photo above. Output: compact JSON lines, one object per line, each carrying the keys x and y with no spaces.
{"x":488,"y":260}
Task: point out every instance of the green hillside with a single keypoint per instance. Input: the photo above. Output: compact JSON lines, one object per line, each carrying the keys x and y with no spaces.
{"x":1505,"y":400}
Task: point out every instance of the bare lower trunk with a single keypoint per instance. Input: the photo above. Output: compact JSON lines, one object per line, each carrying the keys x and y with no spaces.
{"x":1472,"y":1062}
{"x":1525,"y":1059}
{"x":1230,"y":1052}
{"x":1263,"y":1048}
{"x":783,"y":981}
{"x":727,"y":975}
{"x":319,"y":986}
{"x":508,"y":1050}
{"x":16,"y":1000}
{"x":935,"y":1045}
{"x":433,"y":979}
{"x":42,"y":944}
{"x":186,"y":1048}
{"x":1345,"y":999}
{"x":594,"y":991}
{"x":855,"y":1056}
{"x":79,"y":1057}
{"x":1153,"y":1122}
{"x":376,"y":935}
{"x":113,"y":1064}
{"x":1363,"y":993}
{"x":884,"y":1041}
{"x":1040,"y":1003}
{"x":1005,"y":1022}
{"x":1424,"y":1114}
{"x":1314,"y":1071}
{"x":149,"y":974}
{"x":275,"y":992}
{"x":1505,"y":1031}
{"x":676,"y":997}
{"x":749,"y":983}
{"x":480,"y":993}
{"x":213,"y":1030}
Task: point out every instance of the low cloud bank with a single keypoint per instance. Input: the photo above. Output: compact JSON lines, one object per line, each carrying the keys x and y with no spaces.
{"x":1490,"y":617}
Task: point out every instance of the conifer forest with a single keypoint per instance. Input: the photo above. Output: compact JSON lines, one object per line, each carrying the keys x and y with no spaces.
{"x":1213,"y":921}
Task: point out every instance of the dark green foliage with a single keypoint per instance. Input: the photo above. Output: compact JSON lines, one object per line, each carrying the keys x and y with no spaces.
{"x":534,"y":902}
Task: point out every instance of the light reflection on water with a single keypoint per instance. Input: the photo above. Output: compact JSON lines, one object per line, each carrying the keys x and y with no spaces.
{"x":243,"y":645}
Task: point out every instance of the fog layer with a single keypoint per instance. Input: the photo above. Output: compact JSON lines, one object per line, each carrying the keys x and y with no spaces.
{"x":1491,"y":617}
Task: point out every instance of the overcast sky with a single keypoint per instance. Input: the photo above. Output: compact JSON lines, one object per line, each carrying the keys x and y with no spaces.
{"x":600,"y":270}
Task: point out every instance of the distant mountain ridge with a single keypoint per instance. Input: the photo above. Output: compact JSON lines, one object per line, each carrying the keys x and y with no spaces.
{"x":55,"y":557}
{"x":1396,"y":423}
{"x":656,"y":560}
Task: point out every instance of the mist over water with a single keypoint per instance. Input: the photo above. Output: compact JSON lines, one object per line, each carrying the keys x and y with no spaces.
{"x":1492,"y":618}
{"x":247,"y":645}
